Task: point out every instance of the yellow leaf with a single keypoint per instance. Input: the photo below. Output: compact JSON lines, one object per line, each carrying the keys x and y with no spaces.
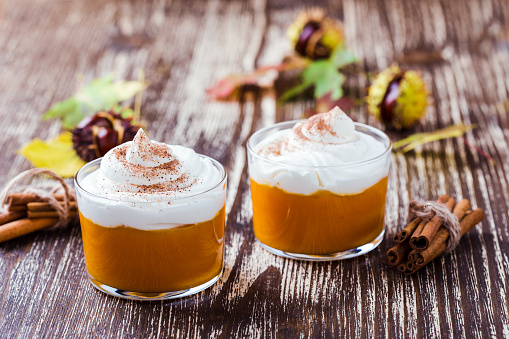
{"x":56,"y":154}
{"x":420,"y":139}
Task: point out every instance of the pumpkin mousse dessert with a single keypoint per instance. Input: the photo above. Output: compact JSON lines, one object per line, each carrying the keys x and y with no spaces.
{"x":318,"y":187}
{"x":152,"y":218}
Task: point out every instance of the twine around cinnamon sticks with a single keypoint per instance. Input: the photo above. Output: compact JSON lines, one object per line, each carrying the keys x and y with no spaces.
{"x":433,"y":229}
{"x":34,"y":209}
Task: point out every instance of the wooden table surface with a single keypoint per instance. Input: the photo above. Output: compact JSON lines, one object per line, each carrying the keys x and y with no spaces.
{"x":184,"y":47}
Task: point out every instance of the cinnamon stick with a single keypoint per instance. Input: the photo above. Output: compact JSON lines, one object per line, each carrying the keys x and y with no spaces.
{"x":439,"y":244}
{"x":25,"y":198}
{"x":461,"y":208}
{"x":11,"y":216}
{"x":471,"y":219}
{"x":48,"y":214}
{"x":44,"y":206}
{"x":408,"y":231}
{"x":414,"y":267}
{"x":419,"y":229}
{"x":410,"y":267}
{"x":423,"y":240}
{"x":398,"y":253}
{"x":442,"y":235}
{"x":402,"y":267}
{"x":444,"y":198}
{"x":21,"y":227}
{"x":17,"y":208}
{"x":434,"y":249}
{"x":408,"y":259}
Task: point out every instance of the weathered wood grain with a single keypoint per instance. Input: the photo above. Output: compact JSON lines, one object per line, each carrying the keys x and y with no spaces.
{"x":184,"y":46}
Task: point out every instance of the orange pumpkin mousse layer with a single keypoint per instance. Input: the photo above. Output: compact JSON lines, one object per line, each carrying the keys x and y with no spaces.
{"x":172,"y":259}
{"x":320,"y":223}
{"x":152,"y":220}
{"x":318,"y":186}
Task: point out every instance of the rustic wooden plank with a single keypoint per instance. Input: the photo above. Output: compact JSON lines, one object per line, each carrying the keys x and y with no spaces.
{"x":184,"y":47}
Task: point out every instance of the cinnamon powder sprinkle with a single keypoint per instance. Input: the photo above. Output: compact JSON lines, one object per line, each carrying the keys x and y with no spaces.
{"x":172,"y":167}
{"x":320,"y":124}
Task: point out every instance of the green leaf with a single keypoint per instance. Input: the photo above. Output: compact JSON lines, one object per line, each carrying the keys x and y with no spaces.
{"x":315,"y":71}
{"x":330,"y":82}
{"x":100,"y":94}
{"x":324,"y":75}
{"x":341,"y":57}
{"x":420,"y":139}
{"x":292,"y":92}
{"x":56,"y":154}
{"x":126,"y":112}
{"x":69,"y":111}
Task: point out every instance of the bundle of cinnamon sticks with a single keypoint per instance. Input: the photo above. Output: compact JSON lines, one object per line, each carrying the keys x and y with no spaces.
{"x":27,"y":213}
{"x":421,"y":241}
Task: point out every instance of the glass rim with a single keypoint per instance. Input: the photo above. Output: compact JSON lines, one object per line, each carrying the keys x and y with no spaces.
{"x":97,"y":161}
{"x":294,"y":122}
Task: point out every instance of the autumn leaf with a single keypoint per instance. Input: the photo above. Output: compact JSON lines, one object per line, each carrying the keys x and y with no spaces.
{"x":101,"y":94}
{"x":420,"y":139}
{"x":263,"y":77}
{"x":56,"y":154}
{"x":324,"y":75}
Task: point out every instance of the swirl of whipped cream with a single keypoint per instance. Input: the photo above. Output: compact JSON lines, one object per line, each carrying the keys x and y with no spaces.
{"x":325,"y":136}
{"x":333,"y":127}
{"x":150,"y":185}
{"x":313,"y":149}
{"x":149,"y":166}
{"x":325,"y":139}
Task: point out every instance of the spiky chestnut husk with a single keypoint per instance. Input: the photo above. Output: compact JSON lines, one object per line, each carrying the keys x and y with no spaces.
{"x":96,"y":134}
{"x":398,"y":98}
{"x":314,"y":35}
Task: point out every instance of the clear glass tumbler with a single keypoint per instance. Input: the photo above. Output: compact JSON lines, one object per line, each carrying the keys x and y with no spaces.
{"x":343,"y":220}
{"x":164,"y":260}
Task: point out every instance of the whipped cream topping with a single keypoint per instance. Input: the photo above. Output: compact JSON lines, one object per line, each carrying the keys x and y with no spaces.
{"x":146,"y":166}
{"x":320,"y":153}
{"x":152,"y":185}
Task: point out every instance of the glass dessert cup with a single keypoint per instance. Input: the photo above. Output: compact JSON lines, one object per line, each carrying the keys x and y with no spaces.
{"x":328,"y":224}
{"x":164,"y":261}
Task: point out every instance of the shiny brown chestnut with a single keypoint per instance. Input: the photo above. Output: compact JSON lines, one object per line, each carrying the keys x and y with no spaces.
{"x":95,"y":135}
